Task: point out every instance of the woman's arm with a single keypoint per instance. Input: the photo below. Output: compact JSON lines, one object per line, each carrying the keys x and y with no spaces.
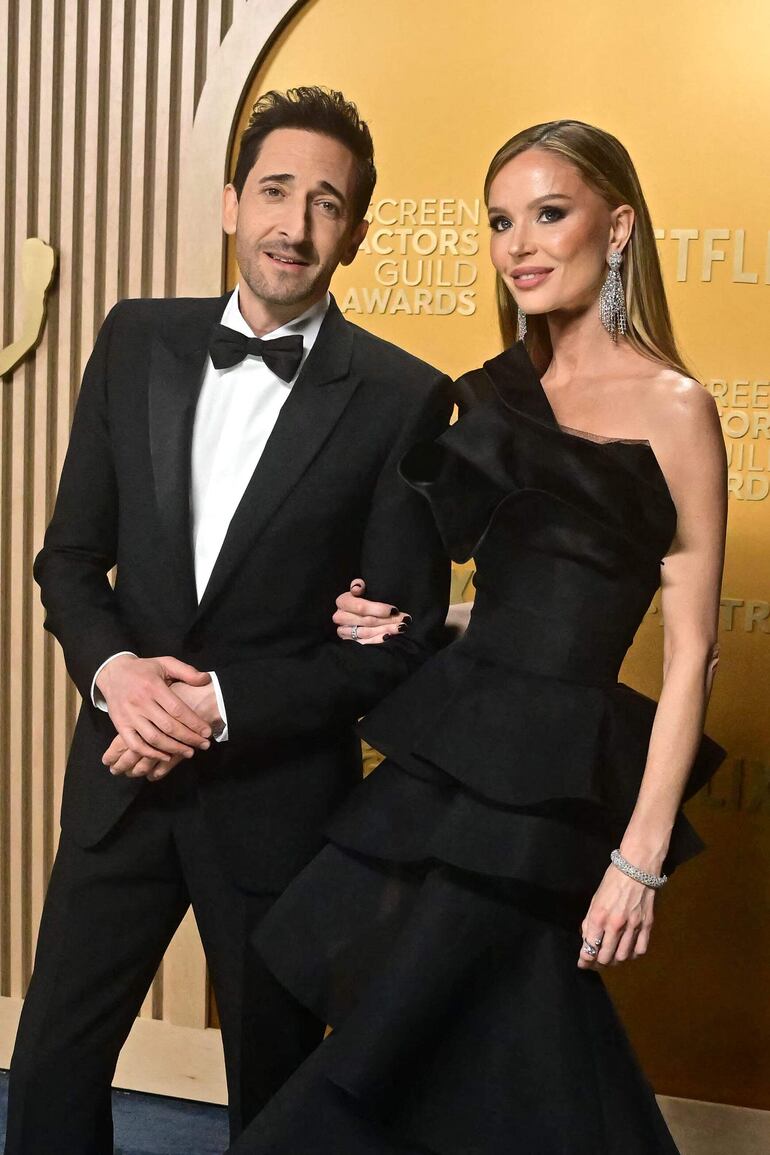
{"x":687,"y":440}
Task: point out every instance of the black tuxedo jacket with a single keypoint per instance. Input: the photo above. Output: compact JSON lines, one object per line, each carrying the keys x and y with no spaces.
{"x":324,"y":504}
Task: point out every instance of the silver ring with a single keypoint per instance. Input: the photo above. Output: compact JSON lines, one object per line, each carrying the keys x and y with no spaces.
{"x":354,"y":633}
{"x":590,"y":950}
{"x":598,"y":941}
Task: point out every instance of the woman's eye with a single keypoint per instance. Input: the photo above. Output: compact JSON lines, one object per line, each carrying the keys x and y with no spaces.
{"x":499,"y":224}
{"x":549,"y":213}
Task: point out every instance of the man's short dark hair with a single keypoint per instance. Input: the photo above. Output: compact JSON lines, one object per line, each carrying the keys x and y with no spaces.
{"x":314,"y":109}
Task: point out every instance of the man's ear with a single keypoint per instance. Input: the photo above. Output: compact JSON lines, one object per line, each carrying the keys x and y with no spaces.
{"x":229,"y":209}
{"x":356,"y":240}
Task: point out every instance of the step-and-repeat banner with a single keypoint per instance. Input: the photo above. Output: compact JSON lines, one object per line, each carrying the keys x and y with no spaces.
{"x":686,"y":88}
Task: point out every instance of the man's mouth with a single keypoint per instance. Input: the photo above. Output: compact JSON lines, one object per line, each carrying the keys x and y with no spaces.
{"x":288,"y":261}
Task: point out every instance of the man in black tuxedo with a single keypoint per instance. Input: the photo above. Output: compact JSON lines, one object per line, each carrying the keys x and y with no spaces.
{"x":237,"y":485}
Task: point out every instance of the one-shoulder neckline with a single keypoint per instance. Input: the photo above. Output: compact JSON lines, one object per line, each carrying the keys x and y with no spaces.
{"x":599,"y":439}
{"x":513,"y":370}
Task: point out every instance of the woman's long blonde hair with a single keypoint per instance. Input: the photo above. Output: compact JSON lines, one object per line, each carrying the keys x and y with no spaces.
{"x":606,"y":166}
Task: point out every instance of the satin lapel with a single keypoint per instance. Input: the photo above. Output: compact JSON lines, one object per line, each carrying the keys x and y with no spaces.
{"x":518,"y":384}
{"x":313,"y":408}
{"x":176,"y":374}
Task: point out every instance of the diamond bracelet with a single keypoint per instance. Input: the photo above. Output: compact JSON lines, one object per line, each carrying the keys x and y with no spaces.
{"x":654,"y":881}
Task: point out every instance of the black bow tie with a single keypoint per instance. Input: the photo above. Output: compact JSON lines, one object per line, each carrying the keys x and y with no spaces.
{"x":228,"y":347}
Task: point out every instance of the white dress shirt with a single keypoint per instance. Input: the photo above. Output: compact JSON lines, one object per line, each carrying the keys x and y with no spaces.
{"x":236,"y":412}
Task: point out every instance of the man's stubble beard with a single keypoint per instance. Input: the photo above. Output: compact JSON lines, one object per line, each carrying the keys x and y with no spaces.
{"x":274,"y":292}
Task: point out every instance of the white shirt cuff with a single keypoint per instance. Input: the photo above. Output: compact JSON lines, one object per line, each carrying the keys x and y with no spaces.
{"x":225,"y":734}
{"x":97,"y":697}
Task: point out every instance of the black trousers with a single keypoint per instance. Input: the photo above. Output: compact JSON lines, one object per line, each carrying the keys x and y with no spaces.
{"x":109,"y":915}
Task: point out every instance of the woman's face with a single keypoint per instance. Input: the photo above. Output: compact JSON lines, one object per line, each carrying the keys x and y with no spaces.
{"x":551,"y":233}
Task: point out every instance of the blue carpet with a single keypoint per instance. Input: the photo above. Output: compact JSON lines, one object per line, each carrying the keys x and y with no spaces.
{"x":152,"y":1125}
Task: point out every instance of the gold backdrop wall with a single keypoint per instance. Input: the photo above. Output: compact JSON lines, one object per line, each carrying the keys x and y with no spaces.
{"x":686,"y":88}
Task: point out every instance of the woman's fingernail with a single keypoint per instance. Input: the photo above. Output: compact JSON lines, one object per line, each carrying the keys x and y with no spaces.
{"x":393,"y":611}
{"x":407,"y":617}
{"x":403,"y":627}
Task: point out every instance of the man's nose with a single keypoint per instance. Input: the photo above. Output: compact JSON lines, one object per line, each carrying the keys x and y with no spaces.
{"x":295,"y":220}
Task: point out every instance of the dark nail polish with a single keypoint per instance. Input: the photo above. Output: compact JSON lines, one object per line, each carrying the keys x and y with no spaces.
{"x":403,"y":627}
{"x":393,"y":611}
{"x":408,"y":618}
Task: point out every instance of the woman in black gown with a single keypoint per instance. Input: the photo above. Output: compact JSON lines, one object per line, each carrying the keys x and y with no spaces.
{"x":439,"y":932}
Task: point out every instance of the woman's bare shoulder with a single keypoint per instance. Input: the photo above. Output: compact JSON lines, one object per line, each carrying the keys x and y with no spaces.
{"x":679,"y":405}
{"x":686,"y":436}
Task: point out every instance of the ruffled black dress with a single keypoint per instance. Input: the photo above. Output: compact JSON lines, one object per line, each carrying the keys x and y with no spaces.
{"x":438,"y":932}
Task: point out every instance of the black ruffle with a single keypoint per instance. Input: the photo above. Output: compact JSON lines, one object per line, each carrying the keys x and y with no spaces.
{"x":495,"y":732}
{"x":509,"y":447}
{"x":509,"y":775}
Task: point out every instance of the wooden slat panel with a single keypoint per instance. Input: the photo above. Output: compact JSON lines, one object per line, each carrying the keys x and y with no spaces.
{"x":213,"y":30}
{"x":58,"y":681}
{"x":39,"y":647}
{"x":7,"y":152}
{"x":64,"y":695}
{"x":201,"y":48}
{"x":162,"y":121}
{"x":115,"y":145}
{"x":89,"y":208}
{"x":137,"y":207}
{"x":23,"y":381}
{"x":189,"y":55}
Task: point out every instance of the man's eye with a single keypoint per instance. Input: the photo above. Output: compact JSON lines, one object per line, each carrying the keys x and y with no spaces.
{"x":272,"y":192}
{"x":549,"y":213}
{"x":499,"y":224}
{"x":329,"y":207}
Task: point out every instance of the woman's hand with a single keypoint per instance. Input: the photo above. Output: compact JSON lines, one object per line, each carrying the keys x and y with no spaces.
{"x":619,"y":920}
{"x":367,"y":623}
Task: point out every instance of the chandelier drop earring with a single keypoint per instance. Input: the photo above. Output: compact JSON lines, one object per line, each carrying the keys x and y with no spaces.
{"x":521,"y":323}
{"x":612,"y":299}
